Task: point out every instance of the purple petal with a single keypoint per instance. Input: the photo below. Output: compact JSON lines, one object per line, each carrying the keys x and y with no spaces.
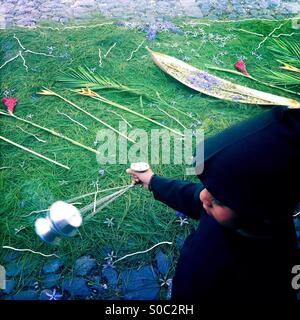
{"x":180,"y":215}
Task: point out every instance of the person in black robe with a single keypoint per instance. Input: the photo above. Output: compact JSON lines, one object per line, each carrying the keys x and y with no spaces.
{"x":245,"y":246}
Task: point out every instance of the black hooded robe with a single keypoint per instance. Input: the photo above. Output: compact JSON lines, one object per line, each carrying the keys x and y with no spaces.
{"x":218,"y":264}
{"x":253,"y":168}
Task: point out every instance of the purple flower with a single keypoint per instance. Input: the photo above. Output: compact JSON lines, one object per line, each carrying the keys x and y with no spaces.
{"x":119,"y":23}
{"x":34,"y":96}
{"x":9,"y":92}
{"x":50,"y":49}
{"x":175,"y":29}
{"x":64,"y":55}
{"x":203,"y":80}
{"x":192,"y":79}
{"x":206,"y":76}
{"x":101,"y":172}
{"x":182,"y":221}
{"x":153,"y":28}
{"x":167,"y":25}
{"x":151,"y":32}
{"x":236,"y":98}
{"x":198,"y":83}
{"x":186,"y":58}
{"x":180,"y":215}
{"x":54,"y":295}
{"x":8,"y":45}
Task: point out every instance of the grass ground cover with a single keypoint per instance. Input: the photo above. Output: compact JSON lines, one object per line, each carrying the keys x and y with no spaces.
{"x":117,"y":52}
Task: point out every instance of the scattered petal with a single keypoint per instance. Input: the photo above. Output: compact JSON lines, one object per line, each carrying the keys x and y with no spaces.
{"x":101,"y":172}
{"x":10,"y":103}
{"x":241,"y":66}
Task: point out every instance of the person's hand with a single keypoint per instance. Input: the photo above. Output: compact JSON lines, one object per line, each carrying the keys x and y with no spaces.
{"x":141,"y":177}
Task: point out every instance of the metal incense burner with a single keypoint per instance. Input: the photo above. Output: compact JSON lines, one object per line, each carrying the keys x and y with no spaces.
{"x":63,"y":218}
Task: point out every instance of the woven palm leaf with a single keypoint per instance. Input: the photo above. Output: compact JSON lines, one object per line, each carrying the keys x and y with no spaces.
{"x":217,"y":87}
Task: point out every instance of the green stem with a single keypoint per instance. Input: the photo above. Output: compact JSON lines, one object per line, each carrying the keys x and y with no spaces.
{"x":33,"y":152}
{"x":172,"y":107}
{"x":254,"y":79}
{"x":172,"y":117}
{"x":114,"y":104}
{"x":93,"y":193}
{"x":57,"y":134}
{"x":89,"y":114}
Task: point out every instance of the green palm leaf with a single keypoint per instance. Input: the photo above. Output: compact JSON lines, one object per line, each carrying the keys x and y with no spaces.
{"x":287,"y":51}
{"x":83,"y":77}
{"x":283,"y":78}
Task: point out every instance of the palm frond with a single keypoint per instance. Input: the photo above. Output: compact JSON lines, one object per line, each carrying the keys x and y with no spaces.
{"x":83,"y":77}
{"x":288,"y":67}
{"x":96,"y":96}
{"x":287,"y":52}
{"x":282,"y":78}
{"x":47,"y":91}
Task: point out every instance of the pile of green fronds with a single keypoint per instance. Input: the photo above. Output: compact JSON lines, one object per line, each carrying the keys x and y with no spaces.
{"x":287,"y":53}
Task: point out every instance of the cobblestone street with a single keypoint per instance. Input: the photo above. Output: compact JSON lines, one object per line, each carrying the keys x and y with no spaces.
{"x":28,"y":13}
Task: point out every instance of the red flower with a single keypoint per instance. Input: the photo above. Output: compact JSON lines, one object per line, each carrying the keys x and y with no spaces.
{"x":10,"y":103}
{"x":240,"y":66}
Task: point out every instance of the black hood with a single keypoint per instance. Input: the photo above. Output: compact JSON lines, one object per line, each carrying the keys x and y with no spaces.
{"x":253,"y":167}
